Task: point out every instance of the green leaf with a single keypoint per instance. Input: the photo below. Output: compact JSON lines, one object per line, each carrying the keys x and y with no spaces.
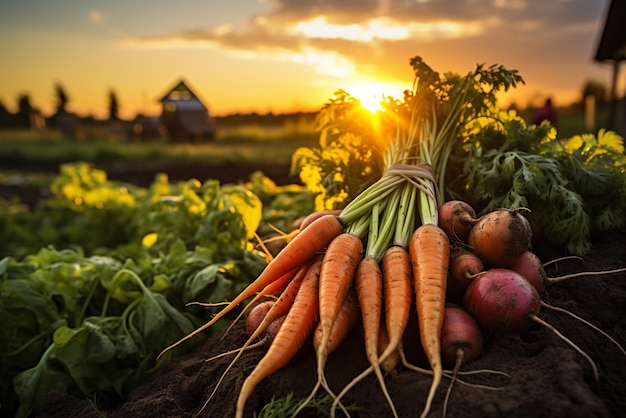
{"x":246,"y":203}
{"x":32,"y":385}
{"x":199,"y":282}
{"x":154,"y":323}
{"x":123,"y":286}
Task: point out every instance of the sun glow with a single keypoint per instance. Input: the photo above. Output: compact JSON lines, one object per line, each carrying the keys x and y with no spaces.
{"x":371,"y":94}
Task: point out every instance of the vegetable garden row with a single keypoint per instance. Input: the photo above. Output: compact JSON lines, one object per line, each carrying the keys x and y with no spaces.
{"x":128,"y":277}
{"x":95,"y":280}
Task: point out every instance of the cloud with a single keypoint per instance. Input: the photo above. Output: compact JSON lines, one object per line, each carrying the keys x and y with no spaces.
{"x":384,"y":28}
{"x":342,"y":38}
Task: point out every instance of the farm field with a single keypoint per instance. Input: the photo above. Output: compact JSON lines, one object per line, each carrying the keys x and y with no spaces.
{"x":29,"y":160}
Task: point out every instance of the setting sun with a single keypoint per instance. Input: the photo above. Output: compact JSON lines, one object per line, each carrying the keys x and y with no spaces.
{"x":371,"y":94}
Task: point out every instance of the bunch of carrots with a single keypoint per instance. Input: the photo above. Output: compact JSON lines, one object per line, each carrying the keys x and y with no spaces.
{"x":384,"y":251}
{"x":330,"y":284}
{"x":314,"y":290}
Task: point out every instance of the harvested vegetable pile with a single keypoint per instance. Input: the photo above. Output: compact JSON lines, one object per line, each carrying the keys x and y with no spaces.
{"x":374,"y":278}
{"x":546,"y":376}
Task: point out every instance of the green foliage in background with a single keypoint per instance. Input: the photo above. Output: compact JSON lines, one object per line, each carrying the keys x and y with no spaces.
{"x":572,"y":187}
{"x":94,"y":281}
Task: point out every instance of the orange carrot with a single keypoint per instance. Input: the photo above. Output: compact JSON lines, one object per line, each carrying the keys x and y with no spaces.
{"x":336,"y":277}
{"x":429,"y":249}
{"x":287,"y":297}
{"x":397,"y":292}
{"x":390,"y":362}
{"x":369,"y":281}
{"x":369,"y":286}
{"x":273,"y":289}
{"x":293,"y":333}
{"x":346,"y":320}
{"x":398,"y":295}
{"x":280,"y":307}
{"x":305,"y":245}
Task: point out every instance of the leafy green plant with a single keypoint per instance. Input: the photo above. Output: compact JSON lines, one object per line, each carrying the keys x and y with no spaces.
{"x":572,"y":187}
{"x":86,"y":309}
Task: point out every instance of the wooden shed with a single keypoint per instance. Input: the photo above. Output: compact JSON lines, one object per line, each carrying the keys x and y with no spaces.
{"x":185,"y":116}
{"x":612,"y":49}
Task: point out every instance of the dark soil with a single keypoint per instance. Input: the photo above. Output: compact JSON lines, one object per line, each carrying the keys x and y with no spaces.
{"x":547,"y":377}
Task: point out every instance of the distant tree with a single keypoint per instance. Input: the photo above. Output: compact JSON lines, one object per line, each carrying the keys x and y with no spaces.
{"x":24,"y":110}
{"x":113,"y":106}
{"x":6,"y":117}
{"x":61,"y":97}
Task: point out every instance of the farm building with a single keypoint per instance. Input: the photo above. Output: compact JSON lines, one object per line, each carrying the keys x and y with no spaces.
{"x":185,"y":116}
{"x":612,"y":49}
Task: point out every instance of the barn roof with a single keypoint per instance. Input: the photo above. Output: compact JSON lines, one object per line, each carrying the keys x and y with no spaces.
{"x":183,"y":96}
{"x":612,"y":45}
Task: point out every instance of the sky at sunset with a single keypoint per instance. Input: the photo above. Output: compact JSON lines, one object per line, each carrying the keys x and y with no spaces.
{"x":286,"y":55}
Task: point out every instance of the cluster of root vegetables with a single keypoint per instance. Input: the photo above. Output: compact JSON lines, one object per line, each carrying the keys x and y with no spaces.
{"x":477,"y":274}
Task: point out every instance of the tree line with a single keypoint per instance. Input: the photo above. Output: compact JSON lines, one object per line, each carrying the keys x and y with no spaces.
{"x":29,"y":116}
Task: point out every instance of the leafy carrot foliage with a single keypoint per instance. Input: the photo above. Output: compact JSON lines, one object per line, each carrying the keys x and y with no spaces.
{"x":572,"y":187}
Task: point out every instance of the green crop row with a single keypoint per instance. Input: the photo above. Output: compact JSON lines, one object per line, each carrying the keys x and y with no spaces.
{"x":95,"y":279}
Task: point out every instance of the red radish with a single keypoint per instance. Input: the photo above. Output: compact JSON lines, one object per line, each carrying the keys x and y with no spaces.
{"x":461,"y":341}
{"x":503,"y":300}
{"x":307,"y":220}
{"x":500,"y":237}
{"x":464,"y":266}
{"x":256,"y":315}
{"x":530,"y":266}
{"x":273,"y":327}
{"x":456,"y":218}
{"x":461,"y":337}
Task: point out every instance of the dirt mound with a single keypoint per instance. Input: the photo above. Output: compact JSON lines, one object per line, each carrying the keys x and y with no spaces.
{"x":547,"y":378}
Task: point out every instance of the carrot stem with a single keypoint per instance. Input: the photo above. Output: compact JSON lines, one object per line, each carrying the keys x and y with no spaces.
{"x":406,"y":216}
